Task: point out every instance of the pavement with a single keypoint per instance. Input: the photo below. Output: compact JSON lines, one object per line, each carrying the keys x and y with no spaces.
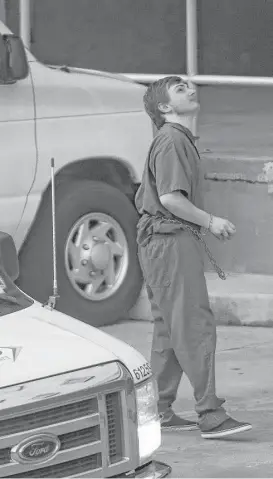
{"x":240,"y":300}
{"x":244,"y":365}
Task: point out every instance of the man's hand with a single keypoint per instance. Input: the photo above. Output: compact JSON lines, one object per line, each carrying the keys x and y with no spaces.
{"x":222,"y":228}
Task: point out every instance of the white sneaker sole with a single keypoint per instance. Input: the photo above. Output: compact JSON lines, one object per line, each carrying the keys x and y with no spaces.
{"x":179,"y":428}
{"x":227,"y":432}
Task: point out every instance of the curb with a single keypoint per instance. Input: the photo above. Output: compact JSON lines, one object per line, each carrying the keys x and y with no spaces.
{"x":243,"y":300}
{"x":243,"y":310}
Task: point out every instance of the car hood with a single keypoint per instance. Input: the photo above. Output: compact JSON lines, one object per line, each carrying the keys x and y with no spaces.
{"x":67,"y":91}
{"x":37,"y":342}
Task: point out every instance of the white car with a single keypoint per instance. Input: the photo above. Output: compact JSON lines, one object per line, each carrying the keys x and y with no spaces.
{"x":94,"y":125}
{"x":74,"y":401}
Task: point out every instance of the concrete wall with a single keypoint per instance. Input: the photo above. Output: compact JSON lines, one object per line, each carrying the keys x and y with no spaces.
{"x":114,"y":35}
{"x":2,"y":11}
{"x":12,"y":14}
{"x":148,"y":36}
{"x":237,"y":190}
{"x":236,"y":37}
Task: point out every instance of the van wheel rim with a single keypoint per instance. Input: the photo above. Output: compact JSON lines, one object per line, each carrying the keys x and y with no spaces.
{"x":96,"y":256}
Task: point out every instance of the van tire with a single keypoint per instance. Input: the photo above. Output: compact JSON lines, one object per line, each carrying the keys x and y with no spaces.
{"x":73,"y":201}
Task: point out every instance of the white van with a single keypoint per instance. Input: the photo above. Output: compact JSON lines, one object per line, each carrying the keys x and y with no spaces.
{"x":74,"y":401}
{"x":93,"y":124}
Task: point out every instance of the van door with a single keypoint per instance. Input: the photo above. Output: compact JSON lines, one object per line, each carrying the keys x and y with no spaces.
{"x":17,"y":150}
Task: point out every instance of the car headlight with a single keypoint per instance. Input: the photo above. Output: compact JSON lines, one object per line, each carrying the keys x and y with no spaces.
{"x":149,"y":432}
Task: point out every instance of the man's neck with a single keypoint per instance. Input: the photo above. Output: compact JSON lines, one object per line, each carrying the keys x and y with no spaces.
{"x":185,"y":121}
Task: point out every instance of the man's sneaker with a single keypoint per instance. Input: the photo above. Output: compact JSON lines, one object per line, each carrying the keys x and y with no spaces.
{"x":177,"y":423}
{"x":227,"y":428}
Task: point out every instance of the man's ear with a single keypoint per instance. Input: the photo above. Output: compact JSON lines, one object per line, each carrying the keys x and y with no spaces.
{"x":164,"y":108}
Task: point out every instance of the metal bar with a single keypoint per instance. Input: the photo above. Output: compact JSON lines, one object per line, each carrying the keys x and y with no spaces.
{"x":191,"y":32}
{"x":196,"y":79}
{"x":53,"y":201}
{"x":192,"y":57}
{"x":25,"y":22}
{"x":232,"y":80}
{"x":147,"y":77}
{"x":206,"y":79}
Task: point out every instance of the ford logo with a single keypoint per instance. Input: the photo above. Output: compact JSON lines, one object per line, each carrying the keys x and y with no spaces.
{"x":36,"y":449}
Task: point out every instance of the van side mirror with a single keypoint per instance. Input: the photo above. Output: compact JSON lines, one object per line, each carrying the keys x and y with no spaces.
{"x":8,"y":256}
{"x":13,"y":59}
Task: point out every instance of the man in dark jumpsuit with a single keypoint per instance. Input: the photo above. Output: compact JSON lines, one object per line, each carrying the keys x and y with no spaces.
{"x":171,"y":257}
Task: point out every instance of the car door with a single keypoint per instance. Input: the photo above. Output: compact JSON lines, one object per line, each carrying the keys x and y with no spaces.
{"x":17,"y":149}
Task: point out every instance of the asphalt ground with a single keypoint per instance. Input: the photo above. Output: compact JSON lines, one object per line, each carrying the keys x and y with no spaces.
{"x":244,"y":371}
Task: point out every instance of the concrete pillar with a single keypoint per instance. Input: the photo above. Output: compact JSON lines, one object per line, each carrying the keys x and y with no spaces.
{"x":25,"y":21}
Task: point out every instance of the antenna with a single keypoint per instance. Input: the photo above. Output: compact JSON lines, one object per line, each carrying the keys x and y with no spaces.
{"x":51,"y":303}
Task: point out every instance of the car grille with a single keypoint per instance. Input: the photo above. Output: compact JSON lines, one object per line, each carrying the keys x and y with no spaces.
{"x":90,"y":431}
{"x":68,"y":469}
{"x":113,"y":408}
{"x":79,"y":438}
{"x":4,"y":456}
{"x":47,"y":417}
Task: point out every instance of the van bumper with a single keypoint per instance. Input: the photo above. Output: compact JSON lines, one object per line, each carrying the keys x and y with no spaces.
{"x":152,"y":470}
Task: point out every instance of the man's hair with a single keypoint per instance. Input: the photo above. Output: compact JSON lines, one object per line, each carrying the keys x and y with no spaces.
{"x":157,"y":93}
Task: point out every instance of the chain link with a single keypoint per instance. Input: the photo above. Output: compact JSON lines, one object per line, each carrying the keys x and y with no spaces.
{"x":198,"y":235}
{"x":219,"y":271}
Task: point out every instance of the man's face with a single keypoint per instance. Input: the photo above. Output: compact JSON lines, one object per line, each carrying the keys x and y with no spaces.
{"x":183,"y":99}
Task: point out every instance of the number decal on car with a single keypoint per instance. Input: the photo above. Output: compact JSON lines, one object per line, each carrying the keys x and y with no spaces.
{"x":143,"y":371}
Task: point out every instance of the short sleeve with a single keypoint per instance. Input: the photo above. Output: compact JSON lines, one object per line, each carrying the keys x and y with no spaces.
{"x":172,"y":170}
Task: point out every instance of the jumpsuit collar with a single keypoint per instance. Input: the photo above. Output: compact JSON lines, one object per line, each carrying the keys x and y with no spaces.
{"x":185,"y":130}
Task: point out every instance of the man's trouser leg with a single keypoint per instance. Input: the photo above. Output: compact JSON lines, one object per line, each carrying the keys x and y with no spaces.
{"x":174,"y":270}
{"x":164,"y":363}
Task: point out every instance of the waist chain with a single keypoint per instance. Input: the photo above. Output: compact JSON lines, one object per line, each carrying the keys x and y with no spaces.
{"x":198,"y":235}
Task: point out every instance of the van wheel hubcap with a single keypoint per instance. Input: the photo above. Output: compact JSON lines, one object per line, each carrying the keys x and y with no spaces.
{"x":96,"y":256}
